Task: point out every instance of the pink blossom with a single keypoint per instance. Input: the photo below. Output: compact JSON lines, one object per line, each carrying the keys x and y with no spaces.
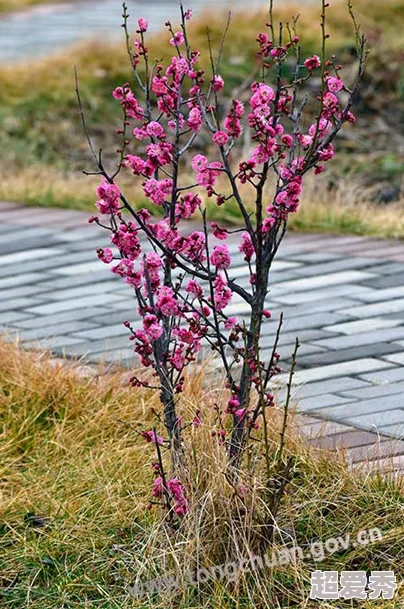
{"x":240,"y":413}
{"x":135,"y":163}
{"x":187,"y":205}
{"x":222,"y":293}
{"x":128,"y":102}
{"x":197,"y":421}
{"x":194,"y":121}
{"x":220,"y":257}
{"x":188,"y":14}
{"x":181,"y":505}
{"x":152,"y":327}
{"x":230,"y":323}
{"x":219,"y":233}
{"x":125,"y":269}
{"x":312,"y":63}
{"x":193,"y":287}
{"x":177,"y":40}
{"x":321,"y":128}
{"x":108,"y":198}
{"x":157,"y":190}
{"x":334,"y":84}
{"x":154,"y":129}
{"x":305,"y":140}
{"x":195,"y":246}
{"x":178,"y":358}
{"x":220,"y":138}
{"x":143,"y":24}
{"x":199,"y":163}
{"x":140,"y":133}
{"x":217,"y":82}
{"x":151,"y":436}
{"x":287,"y":140}
{"x":263,"y":94}
{"x":166,"y":302}
{"x":246,"y":247}
{"x":158,"y":487}
{"x":105,"y":255}
{"x":150,"y":268}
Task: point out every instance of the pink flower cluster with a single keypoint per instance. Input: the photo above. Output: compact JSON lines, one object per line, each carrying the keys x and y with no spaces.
{"x":182,"y":278}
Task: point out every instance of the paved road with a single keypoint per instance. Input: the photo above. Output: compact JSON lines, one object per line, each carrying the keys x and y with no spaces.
{"x":343,"y":297}
{"x":48,"y":28}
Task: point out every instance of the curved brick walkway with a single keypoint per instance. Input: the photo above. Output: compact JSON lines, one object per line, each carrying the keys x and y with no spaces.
{"x":343,"y":297}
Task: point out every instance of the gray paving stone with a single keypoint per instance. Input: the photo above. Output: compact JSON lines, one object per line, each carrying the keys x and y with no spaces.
{"x":78,"y":303}
{"x":321,"y":401}
{"x":352,"y":353}
{"x":335,"y":266}
{"x":68,"y":282}
{"x":287,"y":350}
{"x":35,"y":254}
{"x":12,"y":317}
{"x":22,"y":279}
{"x":349,"y":290}
{"x":60,"y":343}
{"x":373,"y":391}
{"x":104,"y":332}
{"x":364,"y":325}
{"x":383,"y":295}
{"x":117,"y":317}
{"x":388,"y":268}
{"x":362,"y":339}
{"x":396,"y":358}
{"x":342,"y":385}
{"x":355,"y":408}
{"x":316,"y":320}
{"x":328,"y":305}
{"x":128,"y":304}
{"x":325,"y":430}
{"x":387,"y":280}
{"x":321,"y":281}
{"x":316,"y":257}
{"x":21,"y":235}
{"x":94,"y":266}
{"x":54,"y":331}
{"x":378,"y":420}
{"x":25,"y":290}
{"x":122,"y":356}
{"x":322,"y":293}
{"x":396,"y":430}
{"x":356,"y":367}
{"x":18,"y":303}
{"x":380,"y":308}
{"x":87,"y":313}
{"x":376,"y":452}
{"x":382,"y":377}
{"x":82,"y":235}
{"x":87,"y":290}
{"x":101,"y":346}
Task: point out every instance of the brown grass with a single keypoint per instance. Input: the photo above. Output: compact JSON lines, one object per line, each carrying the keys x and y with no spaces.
{"x":69,"y":451}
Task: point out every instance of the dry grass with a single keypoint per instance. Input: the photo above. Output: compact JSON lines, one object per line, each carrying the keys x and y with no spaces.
{"x":344,"y":208}
{"x":66,"y":455}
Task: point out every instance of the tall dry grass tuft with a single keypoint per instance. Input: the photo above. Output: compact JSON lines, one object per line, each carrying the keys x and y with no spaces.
{"x":75,"y":480}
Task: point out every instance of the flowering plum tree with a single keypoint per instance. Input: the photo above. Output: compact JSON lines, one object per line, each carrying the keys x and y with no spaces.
{"x":182,"y":279}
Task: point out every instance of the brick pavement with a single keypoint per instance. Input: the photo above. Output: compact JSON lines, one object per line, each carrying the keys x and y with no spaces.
{"x":342,"y":295}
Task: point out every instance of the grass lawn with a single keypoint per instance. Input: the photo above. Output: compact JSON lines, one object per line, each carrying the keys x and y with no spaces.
{"x":75,"y":483}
